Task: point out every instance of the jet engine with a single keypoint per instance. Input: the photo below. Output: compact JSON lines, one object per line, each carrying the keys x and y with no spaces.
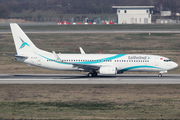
{"x":108,"y":70}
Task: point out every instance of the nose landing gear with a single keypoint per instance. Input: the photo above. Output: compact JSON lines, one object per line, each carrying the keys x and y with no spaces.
{"x":159,"y":75}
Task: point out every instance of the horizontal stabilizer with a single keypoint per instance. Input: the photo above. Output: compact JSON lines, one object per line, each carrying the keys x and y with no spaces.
{"x":20,"y":56}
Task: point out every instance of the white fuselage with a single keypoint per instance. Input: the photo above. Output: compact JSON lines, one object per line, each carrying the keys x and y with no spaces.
{"x":123,"y":62}
{"x":110,"y":64}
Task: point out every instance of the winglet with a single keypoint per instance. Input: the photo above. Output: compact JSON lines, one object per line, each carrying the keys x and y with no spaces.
{"x":82,"y":51}
{"x":56,"y":57}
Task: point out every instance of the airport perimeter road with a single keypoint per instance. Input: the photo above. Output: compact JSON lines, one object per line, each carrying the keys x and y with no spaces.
{"x":97,"y":31}
{"x":83,"y":79}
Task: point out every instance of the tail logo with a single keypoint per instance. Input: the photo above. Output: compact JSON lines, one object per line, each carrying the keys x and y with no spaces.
{"x":23,"y":44}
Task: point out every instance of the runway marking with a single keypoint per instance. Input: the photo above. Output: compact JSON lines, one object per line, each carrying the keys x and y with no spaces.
{"x":43,"y":79}
{"x":100,"y":31}
{"x":82,"y":79}
{"x":106,"y":79}
{"x":148,"y":79}
{"x":56,"y":79}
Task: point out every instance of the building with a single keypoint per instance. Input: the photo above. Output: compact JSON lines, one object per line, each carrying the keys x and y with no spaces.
{"x":134,"y":14}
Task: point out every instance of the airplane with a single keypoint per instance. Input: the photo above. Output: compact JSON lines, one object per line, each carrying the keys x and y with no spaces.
{"x":103,"y":64}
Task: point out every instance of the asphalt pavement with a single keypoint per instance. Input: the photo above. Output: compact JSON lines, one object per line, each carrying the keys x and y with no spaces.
{"x":84,"y":79}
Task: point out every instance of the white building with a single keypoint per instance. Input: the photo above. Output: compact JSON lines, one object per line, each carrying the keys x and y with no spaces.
{"x":134,"y":14}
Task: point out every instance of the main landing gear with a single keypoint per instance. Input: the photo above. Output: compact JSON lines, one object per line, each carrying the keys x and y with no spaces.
{"x":92,"y":74}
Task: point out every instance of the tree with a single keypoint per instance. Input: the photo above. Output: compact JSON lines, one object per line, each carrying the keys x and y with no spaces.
{"x":4,"y":11}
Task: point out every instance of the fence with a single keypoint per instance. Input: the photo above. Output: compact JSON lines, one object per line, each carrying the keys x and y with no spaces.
{"x":83,"y":19}
{"x":68,"y":19}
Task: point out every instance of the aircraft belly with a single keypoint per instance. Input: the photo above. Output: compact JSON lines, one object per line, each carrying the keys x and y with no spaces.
{"x":59,"y":66}
{"x":66,"y":67}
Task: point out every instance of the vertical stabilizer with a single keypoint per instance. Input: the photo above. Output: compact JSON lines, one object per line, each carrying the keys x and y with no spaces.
{"x":22,"y":42}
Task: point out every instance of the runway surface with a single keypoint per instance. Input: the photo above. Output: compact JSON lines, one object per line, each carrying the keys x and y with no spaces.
{"x":83,"y":79}
{"x":96,"y":31}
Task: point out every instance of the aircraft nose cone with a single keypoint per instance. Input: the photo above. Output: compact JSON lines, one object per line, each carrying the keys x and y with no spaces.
{"x":175,"y":65}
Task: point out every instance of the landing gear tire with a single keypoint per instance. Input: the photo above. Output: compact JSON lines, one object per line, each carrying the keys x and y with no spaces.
{"x":94,"y":74}
{"x":90,"y":74}
{"x":159,"y":75}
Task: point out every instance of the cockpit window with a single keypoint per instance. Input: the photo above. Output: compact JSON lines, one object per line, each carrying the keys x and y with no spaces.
{"x":167,"y":60}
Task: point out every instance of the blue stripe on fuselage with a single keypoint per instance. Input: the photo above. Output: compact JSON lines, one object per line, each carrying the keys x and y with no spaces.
{"x":51,"y":59}
{"x":101,"y":60}
{"x":88,"y":62}
{"x":142,"y":66}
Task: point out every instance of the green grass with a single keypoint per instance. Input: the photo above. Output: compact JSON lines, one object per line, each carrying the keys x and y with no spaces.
{"x":45,"y":110}
{"x":73,"y":105}
{"x":89,"y":101}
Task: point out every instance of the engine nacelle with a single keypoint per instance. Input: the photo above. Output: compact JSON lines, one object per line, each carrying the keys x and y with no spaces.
{"x":108,"y":70}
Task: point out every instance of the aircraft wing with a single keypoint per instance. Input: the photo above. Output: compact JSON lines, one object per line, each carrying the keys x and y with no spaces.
{"x":84,"y":66}
{"x":79,"y":65}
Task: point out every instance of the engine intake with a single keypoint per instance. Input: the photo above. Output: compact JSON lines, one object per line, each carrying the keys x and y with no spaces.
{"x":108,"y":70}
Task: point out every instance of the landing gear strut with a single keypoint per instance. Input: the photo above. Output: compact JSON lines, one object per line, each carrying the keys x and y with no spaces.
{"x":92,"y":74}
